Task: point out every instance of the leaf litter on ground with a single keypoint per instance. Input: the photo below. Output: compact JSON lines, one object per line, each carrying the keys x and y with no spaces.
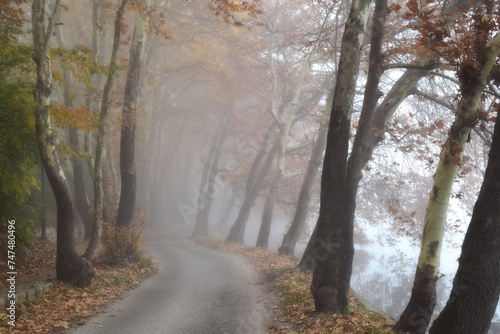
{"x":66,"y":306}
{"x":296,"y":305}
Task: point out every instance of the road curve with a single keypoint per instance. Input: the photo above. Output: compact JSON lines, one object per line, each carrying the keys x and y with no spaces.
{"x":198,"y":291}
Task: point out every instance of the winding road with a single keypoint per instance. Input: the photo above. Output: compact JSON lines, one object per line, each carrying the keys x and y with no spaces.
{"x":198,"y":291}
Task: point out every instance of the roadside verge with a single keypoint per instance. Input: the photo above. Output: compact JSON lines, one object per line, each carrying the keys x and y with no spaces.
{"x":295,"y":308}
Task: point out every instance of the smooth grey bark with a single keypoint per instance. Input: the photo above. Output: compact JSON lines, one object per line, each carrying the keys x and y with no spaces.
{"x":476,"y":287}
{"x":91,"y":251}
{"x":417,"y":314}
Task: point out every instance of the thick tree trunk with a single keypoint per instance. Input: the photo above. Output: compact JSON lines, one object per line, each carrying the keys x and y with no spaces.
{"x":70,"y":267}
{"x":128,"y":194}
{"x":334,"y":244}
{"x":417,"y":314}
{"x":364,"y":147}
{"x":91,"y":251}
{"x":306,"y":263}
{"x":476,"y":286}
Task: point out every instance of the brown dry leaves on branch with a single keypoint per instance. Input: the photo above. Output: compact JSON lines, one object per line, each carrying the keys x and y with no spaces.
{"x":296,"y":309}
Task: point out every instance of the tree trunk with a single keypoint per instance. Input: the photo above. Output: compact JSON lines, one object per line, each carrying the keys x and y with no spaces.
{"x":227,"y":213}
{"x":306,"y":263}
{"x":299,"y":219}
{"x":210,"y":172}
{"x":91,"y":251}
{"x":267,"y":213}
{"x":417,"y":314}
{"x":70,"y":267}
{"x":476,"y":286}
{"x":81,"y":199}
{"x":238,"y":230}
{"x":128,"y":194}
{"x":99,"y":43}
{"x":364,"y":146}
{"x":334,"y":244}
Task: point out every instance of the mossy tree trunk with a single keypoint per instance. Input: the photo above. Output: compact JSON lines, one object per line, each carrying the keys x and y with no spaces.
{"x":70,"y":267}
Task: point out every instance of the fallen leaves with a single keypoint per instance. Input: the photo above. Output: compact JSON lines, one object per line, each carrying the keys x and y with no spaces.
{"x":65,"y":305}
{"x":41,"y":257}
{"x":296,"y":311}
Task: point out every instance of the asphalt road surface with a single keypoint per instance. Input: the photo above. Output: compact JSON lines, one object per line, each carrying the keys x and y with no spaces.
{"x":198,"y":291}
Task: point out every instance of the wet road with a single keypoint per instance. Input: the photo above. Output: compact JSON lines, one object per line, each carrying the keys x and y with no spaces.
{"x":198,"y":291}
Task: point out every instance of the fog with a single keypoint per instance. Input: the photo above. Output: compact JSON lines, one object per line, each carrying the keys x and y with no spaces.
{"x":210,"y":69}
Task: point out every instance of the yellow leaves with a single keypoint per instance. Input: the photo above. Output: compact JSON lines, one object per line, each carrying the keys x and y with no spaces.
{"x":78,"y":61}
{"x":77,"y":118}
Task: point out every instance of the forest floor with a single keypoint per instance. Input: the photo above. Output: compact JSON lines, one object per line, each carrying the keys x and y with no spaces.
{"x":65,"y":305}
{"x":296,"y":312}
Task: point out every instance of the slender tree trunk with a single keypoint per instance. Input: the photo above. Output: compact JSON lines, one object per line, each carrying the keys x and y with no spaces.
{"x":257,"y":176}
{"x":417,"y":314}
{"x":44,"y":213}
{"x":99,"y":40}
{"x":128,"y":194}
{"x":476,"y":287}
{"x":91,"y":251}
{"x":70,"y":267}
{"x":227,"y":213}
{"x":267,"y":213}
{"x":238,"y":230}
{"x":81,"y":199}
{"x":209,"y":175}
{"x":299,"y":219}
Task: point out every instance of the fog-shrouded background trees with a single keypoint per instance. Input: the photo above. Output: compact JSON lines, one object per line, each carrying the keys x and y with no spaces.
{"x":324,"y":130}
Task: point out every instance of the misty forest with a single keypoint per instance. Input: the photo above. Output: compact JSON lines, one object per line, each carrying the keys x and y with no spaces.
{"x":355,"y":139}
